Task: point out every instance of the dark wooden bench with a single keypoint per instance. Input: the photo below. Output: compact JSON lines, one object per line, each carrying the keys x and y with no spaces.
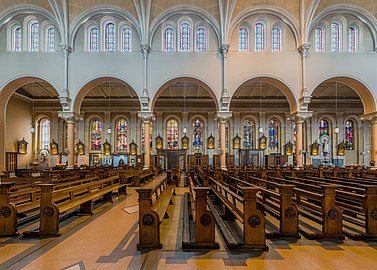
{"x":154,"y":200}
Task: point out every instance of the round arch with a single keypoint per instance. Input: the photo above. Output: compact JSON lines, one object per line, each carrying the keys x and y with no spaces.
{"x":365,"y":95}
{"x":84,"y":90}
{"x":171,"y":81}
{"x":282,"y":86}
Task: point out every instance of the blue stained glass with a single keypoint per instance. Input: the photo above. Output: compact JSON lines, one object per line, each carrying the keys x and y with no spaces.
{"x":273,"y":135}
{"x":276,"y":40}
{"x":201,"y":40}
{"x":323,"y":128}
{"x":126,"y":40}
{"x":352,"y":39}
{"x":172,"y":134}
{"x":243,"y":40}
{"x":94,"y":40}
{"x":318,"y":40}
{"x":17,"y":39}
{"x":349,"y":135}
{"x":96,"y":134}
{"x":51,"y":39}
{"x":294,"y":137}
{"x":122,"y":129}
{"x":169,"y":40}
{"x":335,"y":37}
{"x":110,"y":37}
{"x":259,"y":37}
{"x":248,"y":134}
{"x":34,"y":37}
{"x":197,"y":134}
{"x":185,"y":37}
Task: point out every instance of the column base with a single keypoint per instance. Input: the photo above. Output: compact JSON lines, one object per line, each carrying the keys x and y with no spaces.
{"x":224,"y":168}
{"x":145,"y":167}
{"x":69,"y":167}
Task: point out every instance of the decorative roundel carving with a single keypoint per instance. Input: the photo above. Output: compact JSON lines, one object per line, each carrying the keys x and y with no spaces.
{"x":148,"y":220}
{"x":333,"y":214}
{"x":205,"y":220}
{"x":290,"y":213}
{"x":373,"y":214}
{"x":48,"y":211}
{"x":5,"y":211}
{"x":254,"y":221}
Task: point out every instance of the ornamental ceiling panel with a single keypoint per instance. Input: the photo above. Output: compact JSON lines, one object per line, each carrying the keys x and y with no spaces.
{"x":291,"y":6}
{"x":4,"y":4}
{"x":211,"y":6}
{"x":77,"y":7}
{"x":370,"y":5}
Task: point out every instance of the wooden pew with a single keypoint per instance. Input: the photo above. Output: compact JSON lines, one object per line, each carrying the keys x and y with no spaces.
{"x":153,"y":203}
{"x":203,"y":222}
{"x":55,"y":202}
{"x":245,"y":210}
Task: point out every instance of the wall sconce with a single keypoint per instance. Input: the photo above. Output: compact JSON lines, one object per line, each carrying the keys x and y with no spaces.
{"x":260,"y":130}
{"x":336,"y":130}
{"x":109,"y":131}
{"x":32,"y":130}
{"x":184,"y":130}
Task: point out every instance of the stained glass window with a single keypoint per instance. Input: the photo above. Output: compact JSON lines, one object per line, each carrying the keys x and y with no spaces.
{"x":96,"y":134}
{"x":319,"y":39}
{"x":143,"y":137}
{"x":273,"y":135}
{"x":121,"y":133}
{"x":44,"y":138}
{"x":185,"y":37}
{"x":259,"y":37}
{"x":110,"y":37}
{"x":51,"y":39}
{"x":276,"y":39}
{"x":335,"y":37}
{"x":349,"y":135}
{"x":323,"y":128}
{"x":243,"y":40}
{"x":352,"y":39}
{"x":201,"y":40}
{"x":17,"y":39}
{"x":197,"y":134}
{"x":169,"y":40}
{"x":126,"y":40}
{"x":248,"y":134}
{"x":172,"y":134}
{"x":34,"y":37}
{"x":294,"y":137}
{"x":94,"y":39}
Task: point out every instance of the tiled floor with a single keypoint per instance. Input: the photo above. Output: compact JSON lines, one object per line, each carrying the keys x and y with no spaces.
{"x":108,"y":240}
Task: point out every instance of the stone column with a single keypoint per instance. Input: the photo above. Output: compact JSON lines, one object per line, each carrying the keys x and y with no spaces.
{"x":224,"y":92}
{"x":373,"y":152}
{"x":70,"y":118}
{"x":222,"y":117}
{"x":147,"y":118}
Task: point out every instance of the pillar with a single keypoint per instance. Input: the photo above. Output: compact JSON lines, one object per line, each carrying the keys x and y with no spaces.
{"x":147,"y":118}
{"x":70,"y":118}
{"x":299,"y":143}
{"x":222,"y":117}
{"x":373,"y":152}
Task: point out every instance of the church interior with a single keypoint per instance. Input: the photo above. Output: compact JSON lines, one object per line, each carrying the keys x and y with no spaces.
{"x":190,"y":134}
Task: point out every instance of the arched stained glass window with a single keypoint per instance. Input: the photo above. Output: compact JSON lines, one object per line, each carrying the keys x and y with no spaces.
{"x":172,"y":134}
{"x":17,"y":39}
{"x":169,"y":40}
{"x":259,"y":37}
{"x":243,"y":39}
{"x":34,"y":37}
{"x":143,"y":137}
{"x":110,"y":37}
{"x":197,"y":134}
{"x":273,"y":135}
{"x":294,"y":137}
{"x":349,"y":135}
{"x":276,"y":39}
{"x":335,"y":37}
{"x":353,"y":39}
{"x":185,"y":37}
{"x":96,"y":134}
{"x":126,"y":40}
{"x":319,"y":41}
{"x":45,"y":137}
{"x":50,"y":39}
{"x":201,"y":40}
{"x":121,"y":133}
{"x":93,"y":39}
{"x":323,"y":128}
{"x":248,"y":134}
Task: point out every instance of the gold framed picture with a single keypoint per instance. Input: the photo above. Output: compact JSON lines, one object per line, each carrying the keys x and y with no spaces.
{"x":185,"y":142}
{"x":133,"y":148}
{"x":341,"y":149}
{"x":80,"y":148}
{"x":211,"y":142}
{"x":22,"y":147}
{"x":158,"y":142}
{"x":263,"y":143}
{"x":106,"y":148}
{"x":289,"y":148}
{"x":315,"y":149}
{"x":54,"y":148}
{"x":237,"y":142}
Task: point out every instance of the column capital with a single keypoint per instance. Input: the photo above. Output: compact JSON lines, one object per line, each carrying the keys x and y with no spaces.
{"x":224,"y":48}
{"x":372,"y":117}
{"x":303,"y":49}
{"x":223,"y":115}
{"x":146,"y":116}
{"x":145,"y":49}
{"x":300,"y":117}
{"x":66,"y":48}
{"x":70,"y":117}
